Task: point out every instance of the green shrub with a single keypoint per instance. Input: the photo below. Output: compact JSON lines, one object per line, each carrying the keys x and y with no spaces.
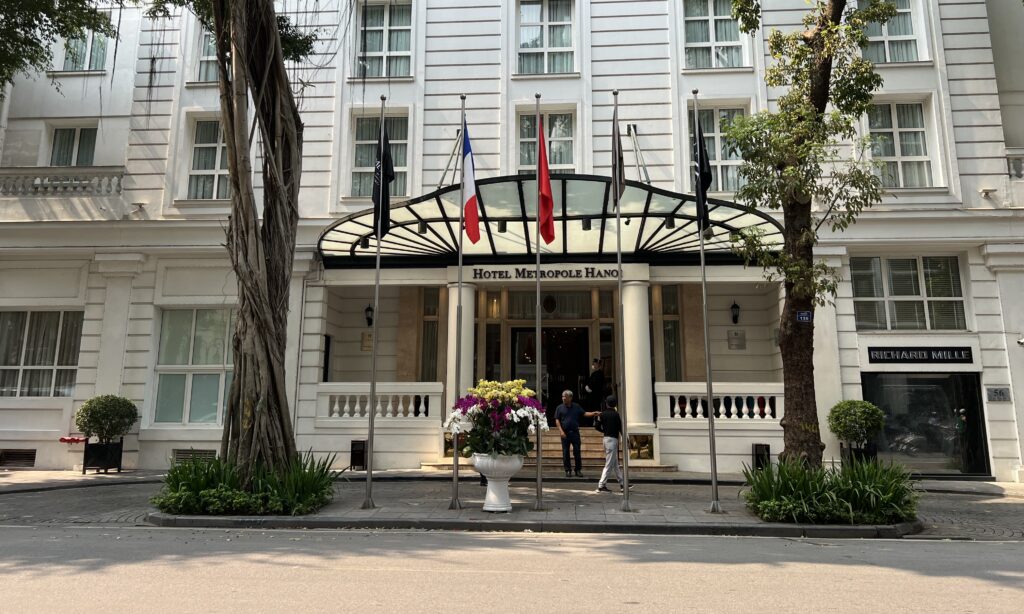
{"x":855,"y":422}
{"x":202,"y":486}
{"x":108,"y":417}
{"x":860,"y":492}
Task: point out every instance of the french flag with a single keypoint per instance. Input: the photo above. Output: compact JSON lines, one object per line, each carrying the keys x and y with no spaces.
{"x":471,"y":214}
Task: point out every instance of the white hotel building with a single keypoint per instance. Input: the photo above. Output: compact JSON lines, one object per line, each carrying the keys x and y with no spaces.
{"x":113,"y":278}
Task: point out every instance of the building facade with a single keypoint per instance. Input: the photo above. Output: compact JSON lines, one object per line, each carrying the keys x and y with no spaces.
{"x":113,"y":278}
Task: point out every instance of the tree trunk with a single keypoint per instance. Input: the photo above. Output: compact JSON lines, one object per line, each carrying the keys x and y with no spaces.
{"x":257,"y":425}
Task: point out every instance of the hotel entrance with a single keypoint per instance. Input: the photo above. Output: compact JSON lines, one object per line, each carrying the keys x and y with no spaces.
{"x":564,"y":364}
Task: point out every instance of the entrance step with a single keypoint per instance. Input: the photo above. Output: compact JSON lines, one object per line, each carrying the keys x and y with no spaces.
{"x":590,"y":468}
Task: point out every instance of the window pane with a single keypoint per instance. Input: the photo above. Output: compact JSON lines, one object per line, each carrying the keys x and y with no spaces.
{"x":903,"y":279}
{"x":202,"y":405}
{"x":229,"y":376}
{"x":559,"y":36}
{"x":401,"y":15}
{"x":879,"y":117}
{"x":430,"y":301}
{"x":74,"y":54}
{"x":207,"y":70}
{"x":70,"y":338}
{"x":86,"y":146}
{"x":400,"y":66}
{"x":695,"y":8}
{"x":527,"y":127}
{"x":869,"y":315}
{"x":98,"y":54}
{"x":41,"y":343}
{"x":428,"y":352}
{"x":673,"y":360}
{"x":63,"y":147}
{"x":670,"y":300}
{"x":942,"y":276}
{"x":698,"y":58}
{"x":207,"y":132}
{"x":362,"y":184}
{"x":398,"y":40}
{"x":531,"y":63}
{"x":728,"y":57}
{"x":947,"y":315}
{"x":730,"y":178}
{"x":367,"y":129}
{"x":372,"y":67}
{"x":727,"y":30}
{"x":875,"y":52}
{"x":8,"y":382}
{"x":528,"y":153}
{"x":374,"y":15}
{"x":907,"y":315}
{"x":204,"y":158}
{"x":903,"y":51}
{"x":698,"y":31}
{"x":913,"y":144}
{"x":889,"y":174}
{"x":36,"y":382}
{"x":208,"y":348}
{"x":398,"y":187}
{"x":65,"y":384}
{"x":223,"y":187}
{"x":175,"y":334}
{"x":529,"y":11}
{"x":901,"y":25}
{"x":909,"y":116}
{"x":12,"y":336}
{"x":866,"y":274}
{"x":882,"y":144}
{"x":232,"y":315}
{"x":873,"y":29}
{"x":560,"y":152}
{"x":366,"y":155}
{"x":170,"y":397}
{"x":560,"y":10}
{"x":398,"y":154}
{"x":398,"y":128}
{"x":200,"y":187}
{"x":917,"y":174}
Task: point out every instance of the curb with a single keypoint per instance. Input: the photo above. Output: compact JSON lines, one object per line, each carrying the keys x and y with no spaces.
{"x":14,"y":490}
{"x":970,"y":493}
{"x":720,"y":529}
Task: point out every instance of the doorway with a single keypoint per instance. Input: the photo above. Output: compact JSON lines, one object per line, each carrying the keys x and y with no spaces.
{"x":564,"y":363}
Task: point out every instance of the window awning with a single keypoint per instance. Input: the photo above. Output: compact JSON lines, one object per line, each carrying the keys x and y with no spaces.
{"x":659,"y":226}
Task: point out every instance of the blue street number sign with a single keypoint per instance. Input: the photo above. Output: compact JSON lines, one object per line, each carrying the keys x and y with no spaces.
{"x":803,"y":316}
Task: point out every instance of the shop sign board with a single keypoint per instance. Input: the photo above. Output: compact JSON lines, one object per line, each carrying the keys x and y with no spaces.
{"x":933,"y":355}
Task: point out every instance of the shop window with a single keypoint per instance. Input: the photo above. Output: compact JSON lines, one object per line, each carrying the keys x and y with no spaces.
{"x":385,"y":40}
{"x":908,"y":293}
{"x":545,"y":37}
{"x":39,"y":353}
{"x":724,"y":158}
{"x":73,"y":147}
{"x":86,"y":53}
{"x":559,"y":129}
{"x":208,"y":174}
{"x":366,"y":144}
{"x":895,"y":40}
{"x":899,"y":142}
{"x":711,"y":36}
{"x":194,"y":365}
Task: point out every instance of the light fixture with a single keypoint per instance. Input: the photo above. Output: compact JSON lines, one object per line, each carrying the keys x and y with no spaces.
{"x":502,"y":225}
{"x":735,"y":310}
{"x":421,"y":227}
{"x":368,"y":312}
{"x":670,"y":222}
{"x":586,"y":223}
{"x":986,"y":192}
{"x":364,"y":243}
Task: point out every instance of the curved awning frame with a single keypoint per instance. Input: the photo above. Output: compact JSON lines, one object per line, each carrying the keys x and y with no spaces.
{"x":660,"y":226}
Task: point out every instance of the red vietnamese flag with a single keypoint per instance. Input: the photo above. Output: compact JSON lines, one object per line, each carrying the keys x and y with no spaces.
{"x":545,"y":204}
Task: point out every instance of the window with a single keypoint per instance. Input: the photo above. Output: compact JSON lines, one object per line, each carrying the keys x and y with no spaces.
{"x":87,"y":53}
{"x":39,"y":353}
{"x":899,"y":142}
{"x":672,"y":333}
{"x":908,"y":293}
{"x":545,"y":37}
{"x":559,"y":127}
{"x":208,"y":177}
{"x":711,"y":35}
{"x":893,"y":41}
{"x":725,"y":159}
{"x":207,"y":58}
{"x":428,"y":347}
{"x":367,"y":139}
{"x":73,"y":147}
{"x":194,"y":365}
{"x":386,"y":37}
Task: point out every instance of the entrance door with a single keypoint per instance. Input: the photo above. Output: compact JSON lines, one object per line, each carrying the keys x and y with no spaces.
{"x":563,"y":365}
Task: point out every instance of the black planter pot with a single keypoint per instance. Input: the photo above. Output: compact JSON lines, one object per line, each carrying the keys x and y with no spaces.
{"x":850,"y":454}
{"x":105,"y":456}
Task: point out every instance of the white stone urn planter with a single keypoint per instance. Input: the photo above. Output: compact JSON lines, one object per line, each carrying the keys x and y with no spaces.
{"x":497,"y":470}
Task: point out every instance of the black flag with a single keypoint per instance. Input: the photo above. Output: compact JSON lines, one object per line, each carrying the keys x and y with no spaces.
{"x":702,"y":174}
{"x":618,"y":167}
{"x":382,"y":189}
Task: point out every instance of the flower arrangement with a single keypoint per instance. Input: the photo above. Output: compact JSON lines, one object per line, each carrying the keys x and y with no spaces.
{"x":498,"y":418}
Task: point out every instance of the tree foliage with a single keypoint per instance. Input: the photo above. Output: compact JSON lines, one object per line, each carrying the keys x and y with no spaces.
{"x":805,"y":153}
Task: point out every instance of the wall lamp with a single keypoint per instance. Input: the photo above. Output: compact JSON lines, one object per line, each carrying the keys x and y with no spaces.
{"x":735,"y":310}
{"x":368,"y":312}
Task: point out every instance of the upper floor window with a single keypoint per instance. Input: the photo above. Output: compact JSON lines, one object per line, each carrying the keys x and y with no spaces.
{"x":559,"y":129}
{"x":86,"y":53}
{"x":207,"y":57}
{"x":386,"y":39}
{"x":194,"y":365}
{"x":908,"y":293}
{"x":545,"y":37}
{"x":895,"y":40}
{"x":208,"y":174}
{"x":725,"y":159}
{"x":39,"y":353}
{"x":367,"y":142}
{"x":711,"y":36}
{"x":73,"y":147}
{"x":899,"y":141}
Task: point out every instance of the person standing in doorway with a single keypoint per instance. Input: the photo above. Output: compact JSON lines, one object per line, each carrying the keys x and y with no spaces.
{"x":610,"y":424}
{"x":567,"y":419}
{"x":595,"y":385}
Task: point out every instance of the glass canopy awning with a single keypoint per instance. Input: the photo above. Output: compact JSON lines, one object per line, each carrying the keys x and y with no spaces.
{"x":659,"y":226}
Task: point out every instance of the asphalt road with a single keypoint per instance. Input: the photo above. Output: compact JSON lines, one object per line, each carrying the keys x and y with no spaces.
{"x":136,"y":569}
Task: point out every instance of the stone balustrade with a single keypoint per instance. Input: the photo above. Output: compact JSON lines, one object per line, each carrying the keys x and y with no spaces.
{"x":62,"y":181}
{"x":402,"y":400}
{"x":733,"y":401}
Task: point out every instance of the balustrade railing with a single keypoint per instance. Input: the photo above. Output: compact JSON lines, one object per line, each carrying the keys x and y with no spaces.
{"x":1015,"y":162}
{"x":61,"y":181}
{"x":412,"y":400}
{"x":733,"y":401}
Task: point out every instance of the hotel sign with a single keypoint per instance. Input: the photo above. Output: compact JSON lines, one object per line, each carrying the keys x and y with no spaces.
{"x":582,"y":272}
{"x":932,"y":355}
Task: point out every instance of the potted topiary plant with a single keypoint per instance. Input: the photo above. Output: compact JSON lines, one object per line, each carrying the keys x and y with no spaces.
{"x":108,"y":418}
{"x":855,"y":424}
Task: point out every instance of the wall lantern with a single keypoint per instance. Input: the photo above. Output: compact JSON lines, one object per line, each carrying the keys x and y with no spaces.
{"x":735,"y":310}
{"x":368,"y":312}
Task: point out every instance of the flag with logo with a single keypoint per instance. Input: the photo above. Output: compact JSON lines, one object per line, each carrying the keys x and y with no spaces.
{"x":703,"y":178}
{"x":383,"y":175}
{"x":471,"y":213}
{"x":545,"y":203}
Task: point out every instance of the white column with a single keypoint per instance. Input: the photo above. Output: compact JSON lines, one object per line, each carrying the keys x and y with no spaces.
{"x":119,"y":271}
{"x":828,"y":381}
{"x":636,"y":355}
{"x":454,"y":390}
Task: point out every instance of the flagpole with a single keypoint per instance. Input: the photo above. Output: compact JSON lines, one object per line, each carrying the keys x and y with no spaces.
{"x":368,"y":501}
{"x":702,"y":219}
{"x":455,"y":505}
{"x":539,"y":505}
{"x":620,"y":363}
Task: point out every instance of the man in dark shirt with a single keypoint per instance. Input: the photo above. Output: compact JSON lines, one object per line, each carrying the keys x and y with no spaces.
{"x":610,"y":423}
{"x":567,"y":419}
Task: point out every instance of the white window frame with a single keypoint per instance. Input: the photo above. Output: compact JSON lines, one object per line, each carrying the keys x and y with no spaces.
{"x":403,"y":170}
{"x":914,"y":10}
{"x":931,"y":156}
{"x":922,"y":297}
{"x":219,"y":171}
{"x":713,"y":44}
{"x":546,"y":116}
{"x":203,"y":60}
{"x":75,"y":147}
{"x":88,"y":55}
{"x":546,"y":50}
{"x":385,"y":54}
{"x":21,"y":367}
{"x":225,"y":367}
{"x":718,"y":135}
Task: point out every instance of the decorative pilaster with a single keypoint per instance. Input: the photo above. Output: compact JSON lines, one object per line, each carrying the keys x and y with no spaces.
{"x":119,"y":271}
{"x":452,"y":389}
